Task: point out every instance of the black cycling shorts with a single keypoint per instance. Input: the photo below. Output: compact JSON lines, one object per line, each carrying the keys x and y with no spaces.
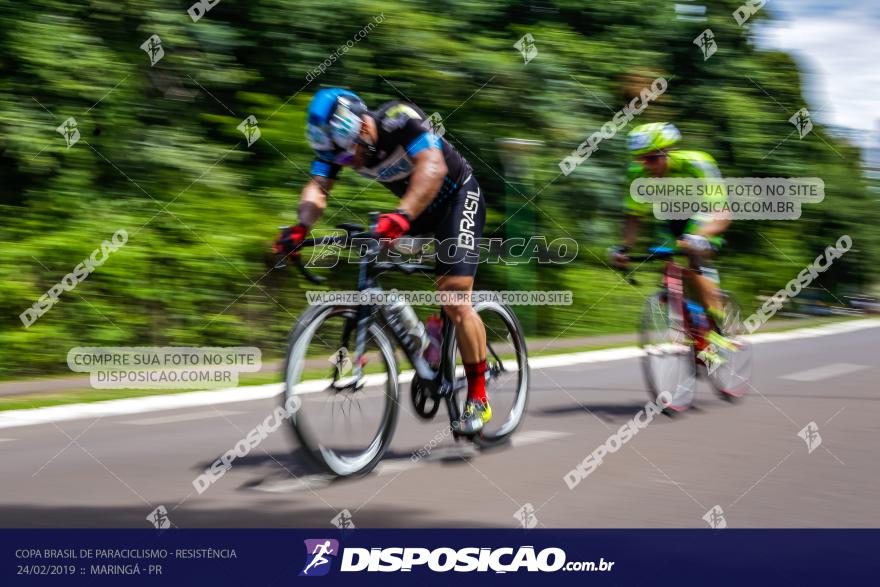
{"x":456,"y":218}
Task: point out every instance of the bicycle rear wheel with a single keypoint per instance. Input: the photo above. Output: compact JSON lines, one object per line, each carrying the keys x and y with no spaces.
{"x":668,"y":363}
{"x":344,"y":424}
{"x":507,"y":373}
{"x":732,"y":378}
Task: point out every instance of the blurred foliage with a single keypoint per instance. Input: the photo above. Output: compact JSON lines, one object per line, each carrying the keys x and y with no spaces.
{"x":160,"y":155}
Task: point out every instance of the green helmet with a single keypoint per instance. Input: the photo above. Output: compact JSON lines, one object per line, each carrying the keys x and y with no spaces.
{"x":652,"y":137}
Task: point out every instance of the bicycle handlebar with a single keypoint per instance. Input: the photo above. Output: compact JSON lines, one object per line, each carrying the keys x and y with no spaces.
{"x":355,"y":234}
{"x":656,"y":256}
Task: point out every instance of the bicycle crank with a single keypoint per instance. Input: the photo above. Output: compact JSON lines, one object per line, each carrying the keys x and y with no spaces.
{"x":424,"y":400}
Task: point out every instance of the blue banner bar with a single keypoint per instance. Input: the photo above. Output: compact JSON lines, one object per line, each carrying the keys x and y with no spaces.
{"x":400,"y":557}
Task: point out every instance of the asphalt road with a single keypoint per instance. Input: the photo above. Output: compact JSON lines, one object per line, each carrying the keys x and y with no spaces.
{"x":746,"y":458}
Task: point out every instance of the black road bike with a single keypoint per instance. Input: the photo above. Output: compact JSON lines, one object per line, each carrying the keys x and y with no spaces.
{"x":341,"y":365}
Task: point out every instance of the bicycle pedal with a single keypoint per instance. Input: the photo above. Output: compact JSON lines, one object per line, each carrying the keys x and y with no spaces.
{"x":462,"y":436}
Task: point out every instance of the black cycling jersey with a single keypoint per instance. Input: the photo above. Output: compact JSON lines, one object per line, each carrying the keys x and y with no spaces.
{"x":403,"y":130}
{"x":457,"y":213}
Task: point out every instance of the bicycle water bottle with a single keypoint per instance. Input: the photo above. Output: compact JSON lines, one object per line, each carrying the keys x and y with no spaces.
{"x":406,"y":324}
{"x":434,"y":327}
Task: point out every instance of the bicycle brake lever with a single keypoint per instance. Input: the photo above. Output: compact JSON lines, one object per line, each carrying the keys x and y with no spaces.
{"x":317,"y":280}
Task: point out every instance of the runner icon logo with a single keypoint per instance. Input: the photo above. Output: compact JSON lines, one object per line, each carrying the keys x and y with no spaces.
{"x":319,"y":555}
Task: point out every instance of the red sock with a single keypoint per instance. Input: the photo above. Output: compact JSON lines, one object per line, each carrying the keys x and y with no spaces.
{"x":476,"y":378}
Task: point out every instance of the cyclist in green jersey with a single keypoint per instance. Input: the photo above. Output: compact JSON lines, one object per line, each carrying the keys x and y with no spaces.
{"x":700,"y":237}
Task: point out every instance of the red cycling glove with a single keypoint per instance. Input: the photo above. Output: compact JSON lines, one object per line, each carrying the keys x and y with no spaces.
{"x":393,"y":225}
{"x":290,"y":239}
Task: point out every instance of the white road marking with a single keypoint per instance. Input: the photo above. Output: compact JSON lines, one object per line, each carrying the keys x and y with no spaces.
{"x":602,"y":356}
{"x":535,"y":437}
{"x":824,"y":372}
{"x":6,"y":439}
{"x":34,"y":416}
{"x":812,"y":332}
{"x":136,"y":405}
{"x":307,"y":482}
{"x":396,"y":466}
{"x":181,"y":417}
{"x":669,"y":482}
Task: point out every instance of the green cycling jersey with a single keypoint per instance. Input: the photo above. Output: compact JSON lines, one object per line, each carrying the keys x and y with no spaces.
{"x":680,"y":164}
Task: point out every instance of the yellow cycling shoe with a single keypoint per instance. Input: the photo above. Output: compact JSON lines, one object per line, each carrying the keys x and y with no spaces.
{"x":720,"y":341}
{"x":476,"y":414}
{"x":712,"y":356}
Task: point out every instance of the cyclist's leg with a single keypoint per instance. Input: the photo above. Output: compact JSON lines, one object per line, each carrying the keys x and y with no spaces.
{"x":458,"y":235}
{"x":470,"y":334}
{"x":704,"y":282}
{"x":701,"y":278}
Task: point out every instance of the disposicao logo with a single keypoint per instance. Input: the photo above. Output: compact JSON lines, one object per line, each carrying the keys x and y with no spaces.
{"x":320,"y":553}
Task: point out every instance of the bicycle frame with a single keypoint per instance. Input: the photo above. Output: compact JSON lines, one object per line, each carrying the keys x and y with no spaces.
{"x":680,"y":310}
{"x":676,"y":300}
{"x":441,"y":381}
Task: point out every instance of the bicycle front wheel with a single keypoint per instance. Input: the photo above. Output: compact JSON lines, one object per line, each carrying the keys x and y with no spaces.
{"x":668,"y":363}
{"x":344,"y":423}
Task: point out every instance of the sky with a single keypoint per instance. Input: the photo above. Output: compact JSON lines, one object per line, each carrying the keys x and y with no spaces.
{"x":836,"y":44}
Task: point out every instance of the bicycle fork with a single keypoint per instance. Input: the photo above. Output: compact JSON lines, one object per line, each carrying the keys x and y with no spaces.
{"x":364,"y":317}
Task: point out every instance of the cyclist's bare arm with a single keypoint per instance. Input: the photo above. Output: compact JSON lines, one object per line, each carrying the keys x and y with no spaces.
{"x":630,"y":234}
{"x":714,"y":226}
{"x":425,"y":181}
{"x":313,"y":200}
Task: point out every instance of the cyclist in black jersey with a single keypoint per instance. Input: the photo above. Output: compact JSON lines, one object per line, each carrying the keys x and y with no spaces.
{"x":396,"y":146}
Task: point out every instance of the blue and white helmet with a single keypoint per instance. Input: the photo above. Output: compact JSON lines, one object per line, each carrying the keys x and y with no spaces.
{"x":335,"y":118}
